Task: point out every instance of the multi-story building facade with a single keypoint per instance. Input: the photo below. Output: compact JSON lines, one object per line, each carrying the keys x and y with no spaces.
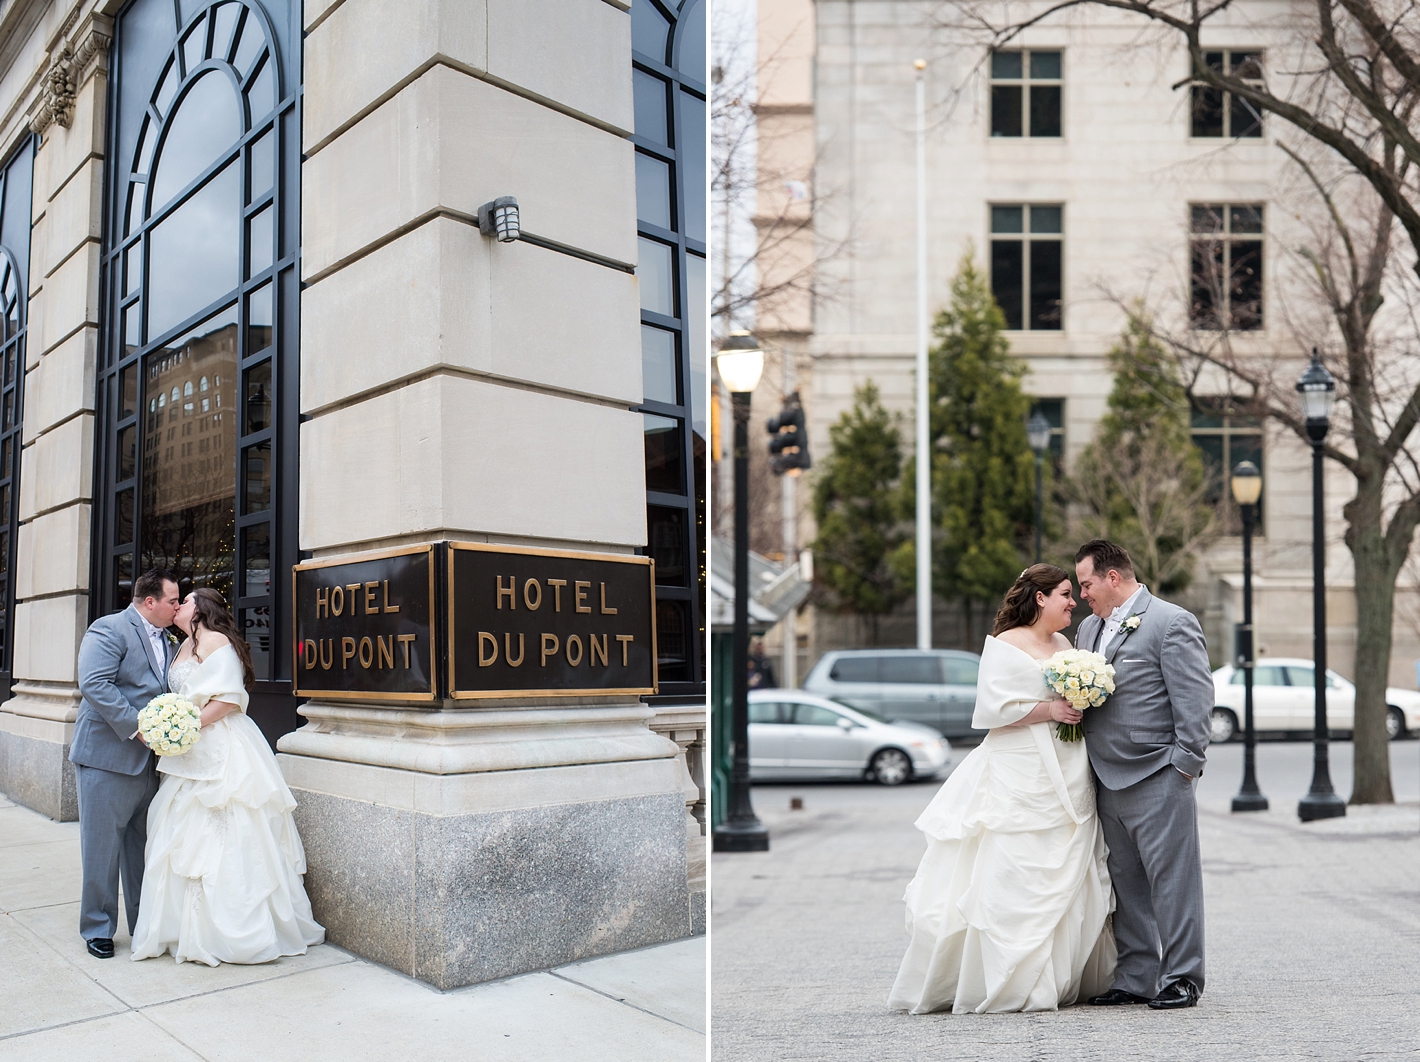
{"x":252,"y":320}
{"x":1083,"y":172}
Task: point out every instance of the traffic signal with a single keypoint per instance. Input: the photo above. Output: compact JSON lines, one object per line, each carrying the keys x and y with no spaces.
{"x":790,"y":442}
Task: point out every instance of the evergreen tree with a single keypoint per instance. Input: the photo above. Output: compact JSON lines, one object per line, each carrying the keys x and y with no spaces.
{"x":855,"y":508}
{"x":983,"y":474}
{"x":1141,"y":481}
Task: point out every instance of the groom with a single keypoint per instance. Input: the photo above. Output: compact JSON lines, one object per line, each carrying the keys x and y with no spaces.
{"x":123,"y":664}
{"x":1146,"y":745}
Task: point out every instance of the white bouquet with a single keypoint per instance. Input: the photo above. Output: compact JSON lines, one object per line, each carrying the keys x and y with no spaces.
{"x":170,"y":724}
{"x":1083,"y":678}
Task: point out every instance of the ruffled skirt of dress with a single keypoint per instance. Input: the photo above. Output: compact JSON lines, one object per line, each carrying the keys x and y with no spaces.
{"x":1010,"y":907}
{"x":223,"y":864}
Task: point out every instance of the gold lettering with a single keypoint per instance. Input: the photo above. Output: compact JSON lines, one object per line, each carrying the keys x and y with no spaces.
{"x":596,"y":650}
{"x":370,"y":589}
{"x":490,"y":657}
{"x":310,"y":648}
{"x":533,"y":605}
{"x":322,"y":601}
{"x":337,"y":601}
{"x":388,"y":607}
{"x":508,"y":650}
{"x":557,"y":585}
{"x":546,"y":651}
{"x":581,"y":595}
{"x":511,"y":590}
{"x":572,"y":640}
{"x":354,"y":591}
{"x":404,"y":640}
{"x":347,"y":650}
{"x":386,"y":651}
{"x":327,"y":661}
{"x":625,"y":640}
{"x":367,"y":653}
{"x":606,"y":611}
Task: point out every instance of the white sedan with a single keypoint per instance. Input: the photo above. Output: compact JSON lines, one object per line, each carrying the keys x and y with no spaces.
{"x":793,"y":734}
{"x":1284,"y":699}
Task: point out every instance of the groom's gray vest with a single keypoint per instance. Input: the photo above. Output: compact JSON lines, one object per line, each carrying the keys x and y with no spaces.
{"x":1159,"y":712}
{"x":118,"y":674}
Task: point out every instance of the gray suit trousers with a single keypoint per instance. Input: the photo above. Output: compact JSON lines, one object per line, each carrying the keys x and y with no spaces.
{"x":113,"y":831}
{"x":1151,"y":828}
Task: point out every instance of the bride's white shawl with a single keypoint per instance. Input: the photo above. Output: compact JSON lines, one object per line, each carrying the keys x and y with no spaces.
{"x":218,"y":678}
{"x":1009,"y":684}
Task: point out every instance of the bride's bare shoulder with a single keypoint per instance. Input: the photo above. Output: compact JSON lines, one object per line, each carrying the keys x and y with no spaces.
{"x":208,"y":642}
{"x":1013,"y":636}
{"x":1062,"y":642}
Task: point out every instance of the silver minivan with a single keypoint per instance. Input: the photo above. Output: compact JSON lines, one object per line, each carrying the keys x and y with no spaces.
{"x":935,"y":687}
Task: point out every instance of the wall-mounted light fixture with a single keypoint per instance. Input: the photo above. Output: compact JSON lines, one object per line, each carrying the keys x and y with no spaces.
{"x":500,"y":218}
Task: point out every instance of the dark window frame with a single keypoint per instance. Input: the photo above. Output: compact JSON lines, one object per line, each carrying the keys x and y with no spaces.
{"x":689,"y":594}
{"x":272,"y":705}
{"x":1025,"y":238}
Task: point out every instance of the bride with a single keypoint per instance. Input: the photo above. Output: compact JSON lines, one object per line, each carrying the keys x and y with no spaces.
{"x":223,"y":865}
{"x":1010,"y":907}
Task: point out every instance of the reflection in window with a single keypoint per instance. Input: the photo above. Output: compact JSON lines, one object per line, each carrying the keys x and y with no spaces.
{"x":1226,"y":434}
{"x":658,"y":366}
{"x":14,"y":264}
{"x":1225,"y":245}
{"x":193,"y":253}
{"x":657,"y":275}
{"x":664,"y":460}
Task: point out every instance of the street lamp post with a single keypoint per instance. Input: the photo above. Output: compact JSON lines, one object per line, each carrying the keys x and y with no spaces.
{"x":1038,"y":432}
{"x":1317,"y":388}
{"x":740,"y":362}
{"x":924,"y":456}
{"x":1247,"y":488}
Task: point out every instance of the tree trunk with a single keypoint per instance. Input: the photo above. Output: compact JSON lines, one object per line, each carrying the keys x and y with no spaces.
{"x":1375,"y":607}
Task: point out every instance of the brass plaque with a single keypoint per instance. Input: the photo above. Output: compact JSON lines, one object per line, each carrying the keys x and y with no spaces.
{"x":365,"y":626}
{"x":549,"y":622}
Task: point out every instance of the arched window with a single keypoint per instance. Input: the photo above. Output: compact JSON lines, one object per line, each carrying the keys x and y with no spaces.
{"x":201,"y":295}
{"x":15,"y":181}
{"x":668,"y":86}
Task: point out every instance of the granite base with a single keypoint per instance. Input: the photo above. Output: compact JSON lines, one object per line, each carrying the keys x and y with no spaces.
{"x":38,"y":774}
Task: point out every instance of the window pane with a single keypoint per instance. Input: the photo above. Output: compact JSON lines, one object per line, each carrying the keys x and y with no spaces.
{"x":690,"y":138}
{"x":1211,"y":448}
{"x":649,"y":98}
{"x":1045,"y":302}
{"x":258,"y":320}
{"x":1245,"y":119}
{"x":194,"y":45}
{"x":261,"y":96}
{"x":262,"y":166}
{"x":1247,"y":65}
{"x":256,"y":388}
{"x":658,"y":365}
{"x":855,"y":669}
{"x":814,"y":715}
{"x":914,"y":669}
{"x":653,"y":191}
{"x":1207,"y":111}
{"x":127,"y":452}
{"x":1045,"y":65}
{"x":665,"y":454}
{"x":1007,"y":219}
{"x":127,"y":390}
{"x":1206,"y":283}
{"x":1005,"y":110}
{"x":256,"y":559}
{"x":1007,"y":279}
{"x":763,"y":712}
{"x":690,"y":40}
{"x":262,"y":237}
{"x":1245,"y":285}
{"x":649,"y":30}
{"x":133,"y":328}
{"x":695,"y":332}
{"x":132,"y":268}
{"x":1052,"y":409}
{"x":657,"y":277}
{"x":1207,"y":217}
{"x":256,"y":478}
{"x":193,"y":261}
{"x":1045,"y":110}
{"x":1046,"y":219}
{"x":1268,"y":676}
{"x":123,"y":577}
{"x":673,"y":634}
{"x":1245,"y":219}
{"x":1006,"y":64}
{"x":667,"y":541}
{"x":256,"y":628}
{"x":123,"y":517}
{"x":252,"y":40}
{"x":959,"y":671}
{"x":207,"y":123}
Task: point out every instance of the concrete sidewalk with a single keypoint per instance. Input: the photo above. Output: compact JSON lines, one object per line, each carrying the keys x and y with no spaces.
{"x":61,"y":1003}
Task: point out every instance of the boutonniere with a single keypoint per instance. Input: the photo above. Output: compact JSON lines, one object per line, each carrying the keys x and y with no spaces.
{"x":1131,"y":623}
{"x":172,"y":638}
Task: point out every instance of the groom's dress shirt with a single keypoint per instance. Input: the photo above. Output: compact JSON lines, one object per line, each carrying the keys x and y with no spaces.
{"x":1117,"y":617}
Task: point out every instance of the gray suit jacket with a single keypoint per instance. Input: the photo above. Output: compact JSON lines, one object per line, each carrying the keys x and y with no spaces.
{"x":118,"y":675}
{"x":1159,"y":712}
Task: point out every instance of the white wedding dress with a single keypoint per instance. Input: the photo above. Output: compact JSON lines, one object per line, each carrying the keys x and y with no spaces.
{"x":222,"y":868}
{"x":1010,"y":907}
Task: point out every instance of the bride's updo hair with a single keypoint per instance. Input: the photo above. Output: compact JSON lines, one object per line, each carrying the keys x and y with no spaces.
{"x":212,"y":614}
{"x":1018,"y":608}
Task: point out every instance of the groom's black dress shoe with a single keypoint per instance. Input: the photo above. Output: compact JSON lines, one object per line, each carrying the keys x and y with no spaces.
{"x":1182,"y":993}
{"x":1116,"y":997}
{"x":101,"y":948}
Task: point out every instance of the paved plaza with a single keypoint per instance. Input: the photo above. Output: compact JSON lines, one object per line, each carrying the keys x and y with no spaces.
{"x":328,"y":1005}
{"x":1313,"y":933}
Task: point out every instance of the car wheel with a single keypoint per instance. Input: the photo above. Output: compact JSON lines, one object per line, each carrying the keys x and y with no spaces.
{"x":891,"y":767}
{"x":1225,"y":726}
{"x":1394,"y":723}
